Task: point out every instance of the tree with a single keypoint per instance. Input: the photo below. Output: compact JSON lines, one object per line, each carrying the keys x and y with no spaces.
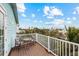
{"x":73,"y":34}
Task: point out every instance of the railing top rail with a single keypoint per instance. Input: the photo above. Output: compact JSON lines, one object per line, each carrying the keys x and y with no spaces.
{"x":52,"y":38}
{"x":26,"y":34}
{"x":42,"y":35}
{"x":65,"y":41}
{"x":61,"y":40}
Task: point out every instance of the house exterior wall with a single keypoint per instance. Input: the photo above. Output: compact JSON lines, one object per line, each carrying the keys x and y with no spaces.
{"x":10,"y":29}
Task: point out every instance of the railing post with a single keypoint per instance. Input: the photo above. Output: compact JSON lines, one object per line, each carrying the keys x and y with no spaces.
{"x":48,"y":44}
{"x":78,"y":50}
{"x":69,"y":49}
{"x":36,"y":37}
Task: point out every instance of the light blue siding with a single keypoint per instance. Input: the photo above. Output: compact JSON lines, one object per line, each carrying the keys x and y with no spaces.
{"x":9,"y":42}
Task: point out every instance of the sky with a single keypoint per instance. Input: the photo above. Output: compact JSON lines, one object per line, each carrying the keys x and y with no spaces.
{"x":47,"y":15}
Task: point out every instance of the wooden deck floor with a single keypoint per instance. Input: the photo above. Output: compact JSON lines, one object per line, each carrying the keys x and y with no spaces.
{"x":32,"y":50}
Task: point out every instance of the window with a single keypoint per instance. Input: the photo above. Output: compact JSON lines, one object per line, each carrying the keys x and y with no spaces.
{"x":1,"y":31}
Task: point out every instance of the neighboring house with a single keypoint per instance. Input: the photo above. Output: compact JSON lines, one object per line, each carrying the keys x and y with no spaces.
{"x":8,"y":27}
{"x":62,"y":34}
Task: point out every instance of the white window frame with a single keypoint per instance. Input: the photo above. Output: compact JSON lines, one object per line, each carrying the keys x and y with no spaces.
{"x":2,"y":10}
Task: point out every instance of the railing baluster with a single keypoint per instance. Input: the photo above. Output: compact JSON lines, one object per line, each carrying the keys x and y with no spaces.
{"x":69,"y":49}
{"x":36,"y":37}
{"x":60,"y":48}
{"x":73,"y":50}
{"x":54,"y":46}
{"x":57,"y":47}
{"x":78,"y":50}
{"x":65,"y":49}
{"x":48,"y":44}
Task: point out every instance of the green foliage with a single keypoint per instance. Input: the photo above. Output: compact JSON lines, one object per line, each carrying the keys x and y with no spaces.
{"x":52,"y":32}
{"x":73,"y":34}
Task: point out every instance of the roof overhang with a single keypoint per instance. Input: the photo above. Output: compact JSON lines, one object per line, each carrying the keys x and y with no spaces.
{"x":14,"y":8}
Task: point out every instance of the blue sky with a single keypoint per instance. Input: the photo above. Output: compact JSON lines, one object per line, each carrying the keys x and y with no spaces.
{"x":46,"y":15}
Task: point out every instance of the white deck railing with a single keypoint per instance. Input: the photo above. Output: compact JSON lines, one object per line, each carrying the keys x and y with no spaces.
{"x":56,"y":46}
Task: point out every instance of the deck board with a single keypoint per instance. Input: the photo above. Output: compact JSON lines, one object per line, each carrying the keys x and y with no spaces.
{"x":33,"y":50}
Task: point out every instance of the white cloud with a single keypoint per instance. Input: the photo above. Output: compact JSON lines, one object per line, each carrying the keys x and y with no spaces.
{"x":56,"y":22}
{"x":21,"y":7}
{"x":46,"y":10}
{"x":40,"y":21}
{"x":59,"y":22}
{"x":56,"y":12}
{"x":52,"y":11}
{"x":74,"y":18}
{"x":76,"y":11}
{"x":50,"y":17}
{"x":33,"y":15}
{"x":23,"y":15}
{"x":69,"y":22}
{"x":68,"y":18}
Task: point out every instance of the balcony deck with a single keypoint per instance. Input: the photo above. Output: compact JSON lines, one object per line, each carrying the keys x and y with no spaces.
{"x":31,"y":50}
